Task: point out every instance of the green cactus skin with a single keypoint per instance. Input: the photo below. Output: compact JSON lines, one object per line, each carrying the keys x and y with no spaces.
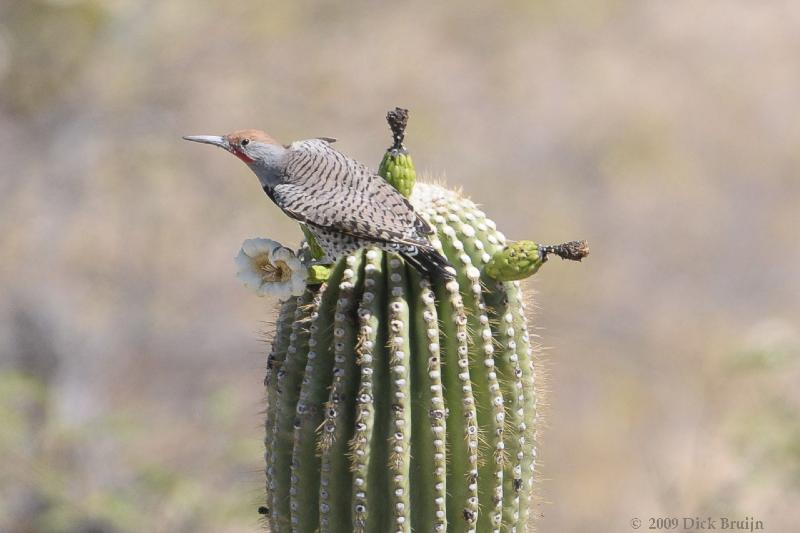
{"x":338,"y":428}
{"x":284,"y":396}
{"x":275,"y":362}
{"x":428,"y":475}
{"x":397,"y":404}
{"x":305,"y":465}
{"x":369,"y":456}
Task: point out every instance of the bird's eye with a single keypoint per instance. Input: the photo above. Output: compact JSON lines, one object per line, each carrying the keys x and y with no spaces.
{"x":245,"y":142}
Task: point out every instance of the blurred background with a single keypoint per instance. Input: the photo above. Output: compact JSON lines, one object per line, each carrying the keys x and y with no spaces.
{"x":665,"y":133}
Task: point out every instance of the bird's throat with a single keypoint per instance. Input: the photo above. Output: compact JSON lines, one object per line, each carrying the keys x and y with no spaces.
{"x":242,"y":156}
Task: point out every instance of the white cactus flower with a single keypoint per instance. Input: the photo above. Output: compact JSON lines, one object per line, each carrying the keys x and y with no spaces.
{"x":268,"y":268}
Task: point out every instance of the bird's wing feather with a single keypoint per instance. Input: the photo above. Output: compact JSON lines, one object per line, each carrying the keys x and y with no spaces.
{"x":325,"y":188}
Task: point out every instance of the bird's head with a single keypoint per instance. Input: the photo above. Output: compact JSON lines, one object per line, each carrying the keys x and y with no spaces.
{"x":254,"y":147}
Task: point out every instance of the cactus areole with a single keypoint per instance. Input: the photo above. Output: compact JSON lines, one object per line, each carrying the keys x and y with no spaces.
{"x":397,"y":403}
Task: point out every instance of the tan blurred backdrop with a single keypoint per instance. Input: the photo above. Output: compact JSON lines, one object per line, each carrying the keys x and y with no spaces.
{"x":665,"y":133}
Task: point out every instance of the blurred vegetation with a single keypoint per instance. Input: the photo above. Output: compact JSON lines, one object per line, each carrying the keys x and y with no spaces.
{"x":665,"y":133}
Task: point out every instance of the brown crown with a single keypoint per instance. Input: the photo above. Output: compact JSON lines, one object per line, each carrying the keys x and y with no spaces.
{"x":254,"y":135}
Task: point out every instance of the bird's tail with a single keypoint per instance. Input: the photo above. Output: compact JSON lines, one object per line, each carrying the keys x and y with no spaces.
{"x":429,"y":261}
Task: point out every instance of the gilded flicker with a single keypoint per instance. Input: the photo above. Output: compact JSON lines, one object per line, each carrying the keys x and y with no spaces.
{"x":342,"y":203}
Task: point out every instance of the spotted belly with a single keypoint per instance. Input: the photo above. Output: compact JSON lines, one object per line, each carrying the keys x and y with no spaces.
{"x":336,"y":244}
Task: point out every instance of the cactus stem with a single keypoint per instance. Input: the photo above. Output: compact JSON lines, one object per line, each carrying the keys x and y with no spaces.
{"x":462,"y":502}
{"x":305,"y":465}
{"x":399,"y":403}
{"x":337,"y":429}
{"x":367,"y":510}
{"x":527,"y":435}
{"x":400,"y":387}
{"x":495,"y":416}
{"x":488,"y":396}
{"x":510,"y":376}
{"x":429,"y":468}
{"x":379,"y":490}
{"x":288,"y":389}
{"x":482,"y":241}
{"x":275,"y":362}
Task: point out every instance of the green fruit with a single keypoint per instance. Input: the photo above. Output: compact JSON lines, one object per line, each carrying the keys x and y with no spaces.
{"x":398,"y":169}
{"x":522,"y":259}
{"x":516,"y":261}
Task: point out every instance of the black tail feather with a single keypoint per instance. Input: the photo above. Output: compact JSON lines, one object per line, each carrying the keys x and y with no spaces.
{"x":429,"y":261}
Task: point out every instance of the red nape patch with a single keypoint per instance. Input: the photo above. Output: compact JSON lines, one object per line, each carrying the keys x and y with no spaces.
{"x":242,"y":156}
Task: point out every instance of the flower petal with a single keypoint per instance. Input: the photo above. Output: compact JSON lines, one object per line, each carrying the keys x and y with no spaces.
{"x":299,"y":273}
{"x":298,"y":286}
{"x":250,"y":279}
{"x":253,"y":255}
{"x":282,"y":253}
{"x":280,"y":290}
{"x":243,"y":261}
{"x":258,"y":246}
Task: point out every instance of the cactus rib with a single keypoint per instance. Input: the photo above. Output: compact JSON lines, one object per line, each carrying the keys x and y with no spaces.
{"x":462,"y":427}
{"x":337,"y":429}
{"x":305,"y":465}
{"x":429,"y":465}
{"x":474,"y":249}
{"x":400,"y":394}
{"x":370,"y":314}
{"x":527,"y":437}
{"x":275,"y":361}
{"x":287,"y":392}
{"x":488,"y":397}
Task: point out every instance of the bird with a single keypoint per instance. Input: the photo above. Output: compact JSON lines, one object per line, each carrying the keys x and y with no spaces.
{"x":343,"y":204}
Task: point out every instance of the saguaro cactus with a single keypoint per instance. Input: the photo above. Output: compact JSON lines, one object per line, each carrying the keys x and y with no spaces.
{"x":398,"y":403}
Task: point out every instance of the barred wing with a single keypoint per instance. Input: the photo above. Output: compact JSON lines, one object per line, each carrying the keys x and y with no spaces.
{"x":325,"y":188}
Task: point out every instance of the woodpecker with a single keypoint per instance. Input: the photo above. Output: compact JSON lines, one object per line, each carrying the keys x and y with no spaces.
{"x":342,"y":203}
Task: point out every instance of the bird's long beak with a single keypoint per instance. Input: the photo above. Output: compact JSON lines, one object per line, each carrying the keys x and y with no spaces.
{"x":216,"y":140}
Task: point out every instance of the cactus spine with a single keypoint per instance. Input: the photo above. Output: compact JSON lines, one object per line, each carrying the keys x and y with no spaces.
{"x":401,"y":404}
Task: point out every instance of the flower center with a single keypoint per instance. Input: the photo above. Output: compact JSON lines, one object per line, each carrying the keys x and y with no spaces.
{"x":275,"y":272}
